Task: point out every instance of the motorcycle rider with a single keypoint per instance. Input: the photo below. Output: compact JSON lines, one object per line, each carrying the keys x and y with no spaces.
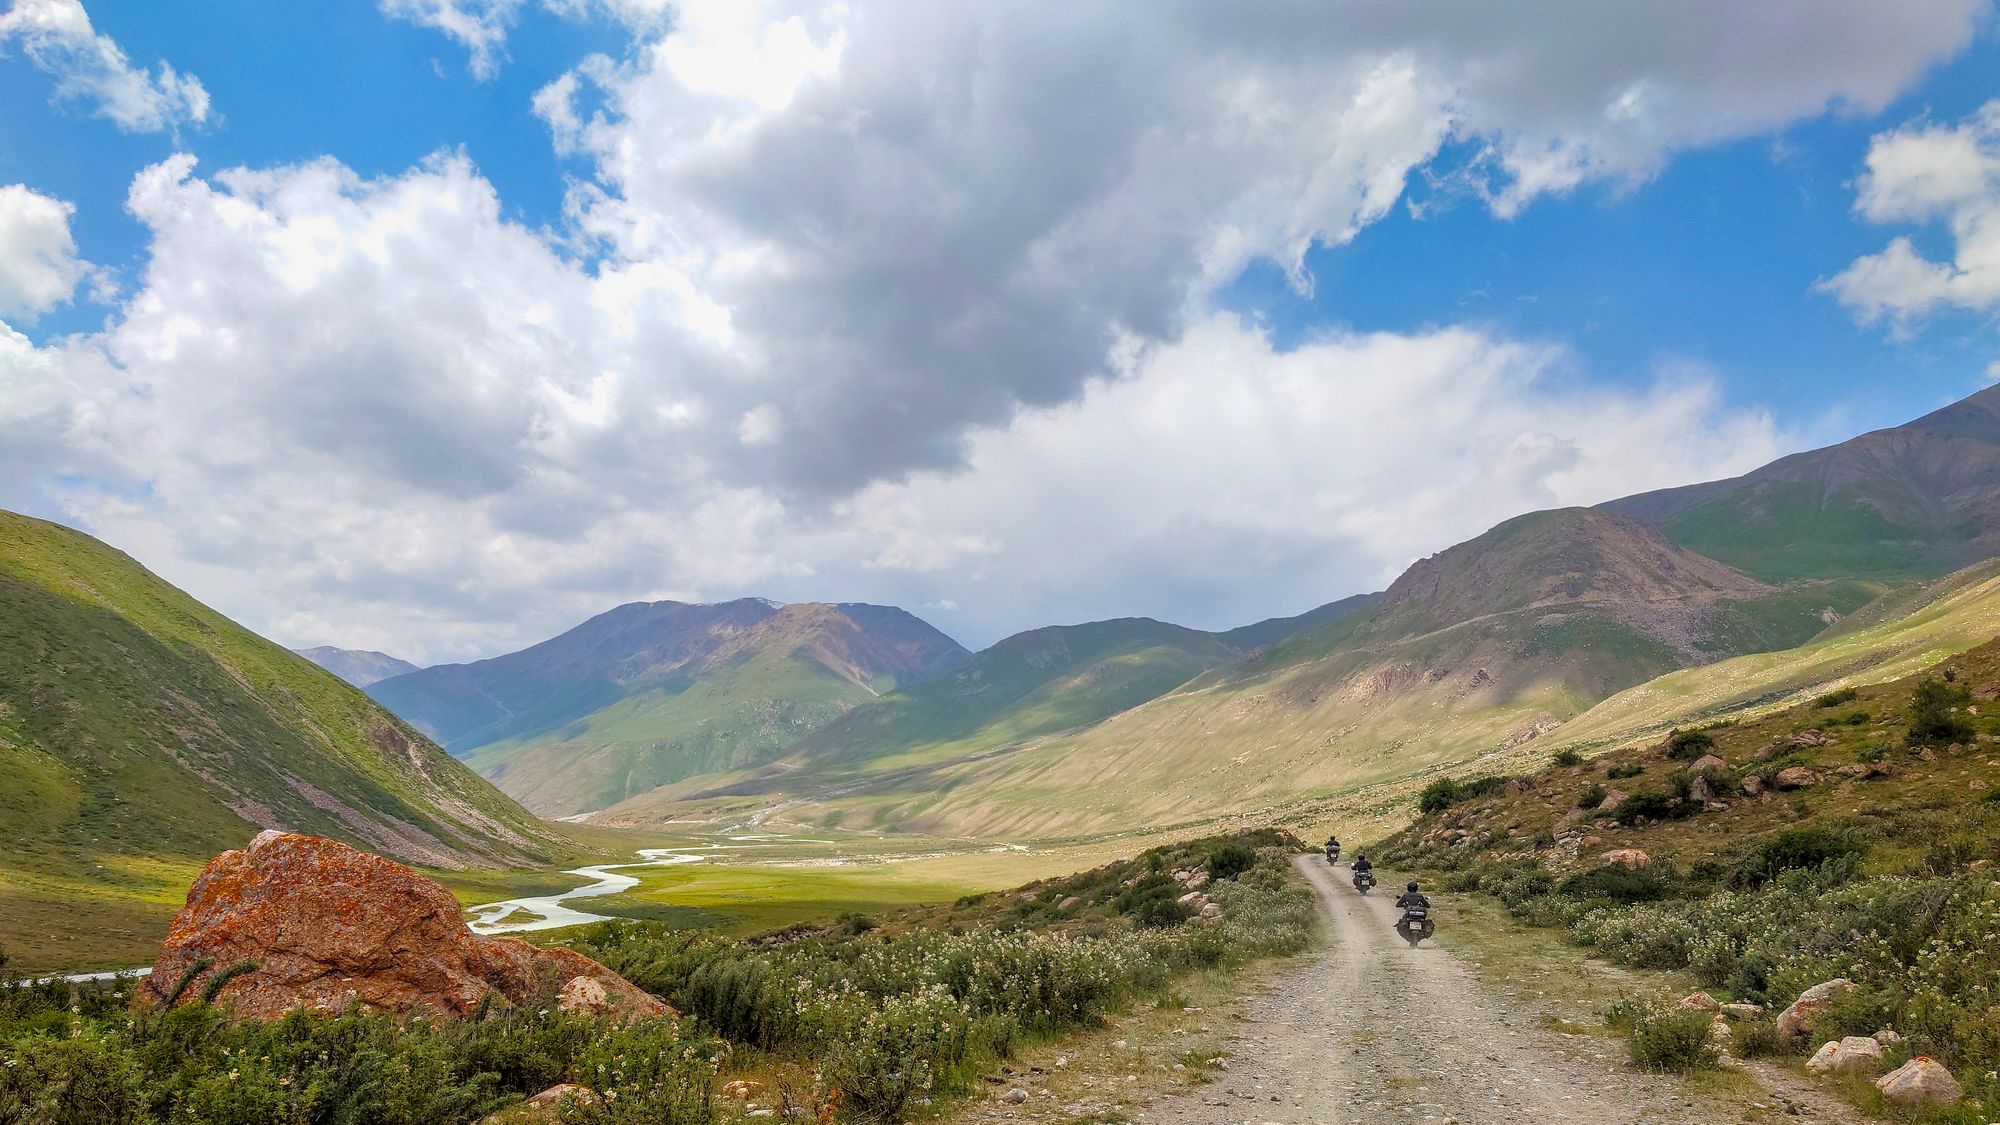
{"x":1413,"y":897}
{"x":1362,"y":866}
{"x":1332,"y":848}
{"x":1415,"y":924}
{"x":1364,"y":871}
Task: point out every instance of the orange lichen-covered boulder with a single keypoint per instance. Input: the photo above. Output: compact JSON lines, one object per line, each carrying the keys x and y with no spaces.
{"x":293,"y":921}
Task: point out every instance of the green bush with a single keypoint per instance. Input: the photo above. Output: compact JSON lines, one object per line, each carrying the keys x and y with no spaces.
{"x":1933,"y":714}
{"x":1592,"y":796}
{"x":1619,"y":883}
{"x":1687,"y":745}
{"x":1621,"y":772}
{"x":1230,"y":860}
{"x":1652,"y":807}
{"x":1673,"y":1039}
{"x":1796,"y":849}
{"x":1834,"y":699}
{"x":1567,"y":757}
{"x":1443,"y":793}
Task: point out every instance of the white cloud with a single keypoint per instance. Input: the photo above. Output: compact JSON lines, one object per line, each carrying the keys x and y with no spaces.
{"x":1929,"y":173}
{"x":39,"y":268}
{"x":915,"y":311}
{"x":480,"y":26}
{"x":57,"y":36}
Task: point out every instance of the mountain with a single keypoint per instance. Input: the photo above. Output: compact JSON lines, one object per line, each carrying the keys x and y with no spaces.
{"x":1263,"y":634}
{"x":359,"y":667}
{"x":1488,"y":644}
{"x":142,"y":732}
{"x":1031,"y":684}
{"x":649,"y":693}
{"x":1915,"y":501}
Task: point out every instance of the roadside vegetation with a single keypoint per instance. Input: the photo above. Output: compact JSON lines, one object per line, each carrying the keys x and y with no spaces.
{"x":1854,"y":836}
{"x":867,"y":1019}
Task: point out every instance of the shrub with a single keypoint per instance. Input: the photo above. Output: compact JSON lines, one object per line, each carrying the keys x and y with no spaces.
{"x":1834,"y":699}
{"x":1618,"y":883}
{"x":1797,"y":849}
{"x":1620,"y":772}
{"x":1758,"y":1039}
{"x":1673,"y":1039}
{"x":1652,"y":806}
{"x":1687,"y":745}
{"x":1567,"y":757}
{"x":1230,"y":860}
{"x":1934,"y":717}
{"x":1592,"y":796}
{"x":1443,"y":793}
{"x":1154,"y":901}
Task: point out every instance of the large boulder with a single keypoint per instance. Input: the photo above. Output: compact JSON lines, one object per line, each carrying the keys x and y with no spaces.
{"x":1796,"y":1022}
{"x":298,"y":921}
{"x":1853,"y":1054}
{"x":1627,"y":857}
{"x":1921,"y":1081}
{"x":1795,"y":777}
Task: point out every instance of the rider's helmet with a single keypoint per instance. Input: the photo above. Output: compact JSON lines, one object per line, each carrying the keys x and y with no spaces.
{"x":1413,"y":886}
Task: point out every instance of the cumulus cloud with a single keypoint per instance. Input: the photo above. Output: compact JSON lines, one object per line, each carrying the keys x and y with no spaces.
{"x":39,"y":268}
{"x":928,"y":217}
{"x":1920,"y":174}
{"x":57,"y":36}
{"x":904,"y":302}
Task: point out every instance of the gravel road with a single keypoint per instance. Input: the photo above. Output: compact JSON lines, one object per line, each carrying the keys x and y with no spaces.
{"x":1375,"y":1031}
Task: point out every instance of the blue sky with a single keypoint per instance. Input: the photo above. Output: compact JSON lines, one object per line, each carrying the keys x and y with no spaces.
{"x":798,"y":299}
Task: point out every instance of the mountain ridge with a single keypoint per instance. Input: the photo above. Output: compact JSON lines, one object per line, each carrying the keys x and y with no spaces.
{"x":359,"y":667}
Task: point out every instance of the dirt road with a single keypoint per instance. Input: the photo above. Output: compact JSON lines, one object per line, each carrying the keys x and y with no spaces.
{"x":1375,"y":1031}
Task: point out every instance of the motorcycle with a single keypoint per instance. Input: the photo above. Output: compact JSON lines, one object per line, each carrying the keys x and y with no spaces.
{"x":1364,"y":881}
{"x":1416,"y":925}
{"x":1332,"y":856}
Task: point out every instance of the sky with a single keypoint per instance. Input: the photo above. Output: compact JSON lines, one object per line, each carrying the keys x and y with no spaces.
{"x":437,"y":326}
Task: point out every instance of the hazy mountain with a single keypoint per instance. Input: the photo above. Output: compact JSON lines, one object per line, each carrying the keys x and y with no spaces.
{"x":650,"y":693}
{"x":359,"y":667}
{"x":136,"y":722}
{"x":1917,"y":500}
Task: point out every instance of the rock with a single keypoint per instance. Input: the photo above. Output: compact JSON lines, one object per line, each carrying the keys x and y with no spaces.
{"x":1796,"y":1022}
{"x":547,"y":1105}
{"x":298,"y":921}
{"x":1069,"y":903}
{"x":1927,"y":754}
{"x":1700,"y":790}
{"x":1630,"y":857}
{"x":1720,"y":1035}
{"x":1795,"y":777}
{"x":1015,"y":1096}
{"x":742,"y":1089}
{"x":1765,"y":751}
{"x":1753,"y":785}
{"x":1743,"y":1011}
{"x":1889,"y":1038}
{"x":1591,"y":841}
{"x":1194,"y":898}
{"x":1611,"y":800}
{"x":583,"y":994}
{"x":1921,"y":1081}
{"x":1701,"y":1001}
{"x":1975,"y":785}
{"x":1211,"y":910}
{"x":1708,"y":762}
{"x":1851,"y":1055}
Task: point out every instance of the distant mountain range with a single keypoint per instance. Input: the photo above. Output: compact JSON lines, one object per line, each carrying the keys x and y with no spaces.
{"x":359,"y":667}
{"x":1490,"y":644}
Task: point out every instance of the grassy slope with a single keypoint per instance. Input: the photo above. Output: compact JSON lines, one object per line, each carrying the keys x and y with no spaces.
{"x":1325,"y":713}
{"x":140,"y":733}
{"x":738,"y":717}
{"x":1025,"y":687}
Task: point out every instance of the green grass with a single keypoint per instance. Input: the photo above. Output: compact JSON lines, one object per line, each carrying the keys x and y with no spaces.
{"x":1782,"y":531}
{"x":751,"y":899}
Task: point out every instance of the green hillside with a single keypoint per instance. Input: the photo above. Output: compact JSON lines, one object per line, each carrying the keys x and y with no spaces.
{"x":1026,"y":686}
{"x":141,"y":733}
{"x":1488,"y":645}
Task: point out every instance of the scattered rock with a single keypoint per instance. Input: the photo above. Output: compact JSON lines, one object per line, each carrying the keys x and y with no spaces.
{"x":1070,"y":903}
{"x":1765,"y":751}
{"x":1611,"y":800}
{"x":1630,"y":857}
{"x":1921,"y":1081}
{"x":742,"y":1089}
{"x":1743,"y":1011}
{"x":549,"y":1105}
{"x":1795,"y":777}
{"x":1211,"y":910}
{"x":1591,"y":841}
{"x":1720,"y":1036}
{"x":1804,"y":739}
{"x":1014,"y":1096}
{"x":1708,"y":762}
{"x":1927,"y":754}
{"x":1796,"y":1022}
{"x":1889,"y":1038}
{"x":1701,"y":1001}
{"x":296,"y":921}
{"x":1753,"y":785}
{"x":1853,"y":1054}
